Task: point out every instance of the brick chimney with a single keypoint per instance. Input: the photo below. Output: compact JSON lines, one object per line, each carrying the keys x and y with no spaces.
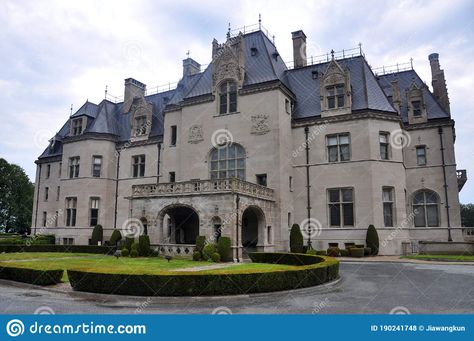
{"x":299,"y":49}
{"x":440,"y":91}
{"x":133,"y":89}
{"x":190,"y":67}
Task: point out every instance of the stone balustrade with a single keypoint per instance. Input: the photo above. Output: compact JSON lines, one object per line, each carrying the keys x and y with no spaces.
{"x":175,"y":249}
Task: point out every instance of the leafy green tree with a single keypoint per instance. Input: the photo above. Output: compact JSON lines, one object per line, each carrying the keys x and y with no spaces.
{"x":16,"y":198}
{"x":467,"y":215}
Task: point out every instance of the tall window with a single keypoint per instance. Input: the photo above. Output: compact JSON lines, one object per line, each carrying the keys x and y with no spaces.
{"x":387,"y":199}
{"x":45,"y":217}
{"x":59,"y":171}
{"x":228,"y":162}
{"x":74,"y":167}
{"x":94,"y":212}
{"x":421,"y":155}
{"x":56,"y":216}
{"x":426,"y":209}
{"x":174,"y":136}
{"x":58,"y":192}
{"x":416,"y":108}
{"x":96,"y":166}
{"x":338,"y":147}
{"x":77,"y":127}
{"x":48,"y":171}
{"x":138,"y":166}
{"x":335,"y":96}
{"x":46,"y":193}
{"x":384,"y":146}
{"x":228,"y":97}
{"x":71,"y":205}
{"x":341,"y":207}
{"x":140,"y":125}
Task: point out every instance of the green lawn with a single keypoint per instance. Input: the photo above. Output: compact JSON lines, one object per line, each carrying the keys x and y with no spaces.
{"x":442,"y":257}
{"x":109,"y":264}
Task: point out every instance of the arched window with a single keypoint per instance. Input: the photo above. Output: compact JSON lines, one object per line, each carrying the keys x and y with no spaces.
{"x":228,"y":161}
{"x":426,"y":209}
{"x":227,"y":97}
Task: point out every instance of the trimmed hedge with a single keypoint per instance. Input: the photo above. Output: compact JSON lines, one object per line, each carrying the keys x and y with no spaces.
{"x":224,"y":249}
{"x":200,"y":243}
{"x":97,"y":235}
{"x":357,"y":252}
{"x":144,"y":249}
{"x":31,"y":276}
{"x":314,"y":270}
{"x":58,"y":248}
{"x":372,"y":240}
{"x":115,"y":237}
{"x":296,"y":239}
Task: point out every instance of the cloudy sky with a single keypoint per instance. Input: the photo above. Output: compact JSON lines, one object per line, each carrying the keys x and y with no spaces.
{"x":58,"y":53}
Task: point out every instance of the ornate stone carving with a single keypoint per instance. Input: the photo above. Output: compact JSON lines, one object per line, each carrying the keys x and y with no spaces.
{"x":228,"y":61}
{"x":260,"y":125}
{"x":195,"y":134}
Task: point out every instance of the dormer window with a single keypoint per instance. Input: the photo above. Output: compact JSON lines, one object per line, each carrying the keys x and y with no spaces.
{"x":141,"y":125}
{"x":77,"y":127}
{"x":335,"y":96}
{"x":227,"y":97}
{"x":416,"y":108}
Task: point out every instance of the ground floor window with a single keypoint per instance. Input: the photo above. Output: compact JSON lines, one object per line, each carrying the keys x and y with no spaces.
{"x":341,"y":207}
{"x":387,"y":199}
{"x":68,"y":241}
{"x":426,"y":209}
{"x":71,"y":206}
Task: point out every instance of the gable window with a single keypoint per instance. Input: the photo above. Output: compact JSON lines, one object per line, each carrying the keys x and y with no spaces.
{"x":141,"y":125}
{"x":227,"y":97}
{"x":48,"y":171}
{"x":96,"y":166}
{"x":71,"y":204}
{"x":94,"y":212}
{"x":138,"y":166}
{"x":74,"y":167}
{"x":426,"y":209}
{"x":228,"y":162}
{"x":174,"y":135}
{"x":341,"y":207}
{"x":262,"y":179}
{"x":421,"y":155}
{"x":416,"y":108}
{"x":387,"y":199}
{"x":384,"y":146}
{"x":46,"y":193}
{"x":338,"y":147}
{"x":335,"y":96}
{"x":77,"y":127}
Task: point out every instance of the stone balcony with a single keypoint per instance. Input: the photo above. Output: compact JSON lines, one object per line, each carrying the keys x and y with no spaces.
{"x":203,"y":187}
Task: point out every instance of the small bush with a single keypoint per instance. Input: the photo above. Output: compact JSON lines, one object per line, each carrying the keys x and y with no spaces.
{"x":367,"y":251}
{"x":311,"y":252}
{"x":296,"y":239}
{"x":128,"y":242}
{"x":144,"y":249}
{"x":348,"y":245}
{"x":134,"y":246}
{"x":333,"y":244}
{"x":321,"y":252}
{"x":208,"y":250}
{"x":216,"y":257}
{"x":134,"y":253}
{"x":197,"y":256}
{"x":154,"y":253}
{"x":115,"y":237}
{"x":224,"y":249}
{"x":344,"y":253}
{"x":357,"y":252}
{"x":125,"y":252}
{"x":41,"y":239}
{"x":372,"y":240}
{"x":97,"y":235}
{"x":333,"y":252}
{"x":200,"y":243}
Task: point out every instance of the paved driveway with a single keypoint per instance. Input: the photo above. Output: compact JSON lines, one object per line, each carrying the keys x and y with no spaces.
{"x":363,"y":288}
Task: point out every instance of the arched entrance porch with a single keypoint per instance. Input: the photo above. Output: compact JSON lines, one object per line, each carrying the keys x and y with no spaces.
{"x":179,"y":224}
{"x":253,"y":226}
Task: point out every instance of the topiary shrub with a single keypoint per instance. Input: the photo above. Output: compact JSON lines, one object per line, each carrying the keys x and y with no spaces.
{"x":200,"y":243}
{"x":125,"y":252}
{"x":97,"y":235}
{"x":360,"y":245}
{"x":128,"y":242}
{"x":224,"y":249}
{"x":197,"y":256}
{"x":311,"y":252}
{"x":216,"y":257}
{"x":348,"y":245}
{"x":296,"y":239}
{"x":134,"y":253}
{"x":208,"y":250}
{"x":333,"y":252}
{"x":115,"y":238}
{"x":372,"y":240}
{"x":134,"y":246}
{"x":344,"y":253}
{"x":321,"y":253}
{"x":367,"y":251}
{"x":144,"y":249}
{"x":357,"y":252}
{"x":333,"y":244}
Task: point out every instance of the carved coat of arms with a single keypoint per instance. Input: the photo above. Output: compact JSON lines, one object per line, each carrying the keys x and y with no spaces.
{"x":260,"y":125}
{"x":195,"y":134}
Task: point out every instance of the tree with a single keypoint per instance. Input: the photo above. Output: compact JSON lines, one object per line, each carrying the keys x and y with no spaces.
{"x":16,"y":198}
{"x":296,"y":239}
{"x":97,"y":235}
{"x":372,"y":240}
{"x":467,"y":215}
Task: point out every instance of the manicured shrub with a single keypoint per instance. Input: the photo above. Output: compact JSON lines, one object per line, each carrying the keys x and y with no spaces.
{"x":296,"y":239}
{"x":357,"y":252}
{"x":367,"y":251}
{"x":134,"y":246}
{"x":58,"y":248}
{"x":333,"y":252}
{"x":208,"y":250}
{"x":134,"y":253}
{"x":348,"y":245}
{"x":372,"y":240}
{"x":344,"y":253}
{"x":144,"y":249}
{"x":115,"y":237}
{"x":197,"y":256}
{"x":41,"y":239}
{"x":224,"y":249}
{"x":37,"y":277}
{"x":216,"y":257}
{"x":311,"y":252}
{"x":125,"y":252}
{"x":333,"y":244}
{"x":200,"y":243}
{"x":97,"y":235}
{"x":154,"y":253}
{"x":321,"y":252}
{"x":128,"y":242}
{"x":360,"y":245}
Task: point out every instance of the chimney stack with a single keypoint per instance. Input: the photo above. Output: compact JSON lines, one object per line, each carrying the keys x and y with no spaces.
{"x":133,"y":89}
{"x":440,"y":91}
{"x":190,"y":67}
{"x":299,"y":49}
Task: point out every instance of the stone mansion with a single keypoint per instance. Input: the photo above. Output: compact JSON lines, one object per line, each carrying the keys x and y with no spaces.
{"x":247,"y":146}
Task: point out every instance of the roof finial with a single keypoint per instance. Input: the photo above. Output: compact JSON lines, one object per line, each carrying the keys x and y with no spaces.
{"x":332,"y":54}
{"x":411,"y":63}
{"x":105,"y":95}
{"x":71,"y":110}
{"x":228,"y":32}
{"x":273,"y":38}
{"x":360,"y":48}
{"x":188,"y":53}
{"x":259,"y":21}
